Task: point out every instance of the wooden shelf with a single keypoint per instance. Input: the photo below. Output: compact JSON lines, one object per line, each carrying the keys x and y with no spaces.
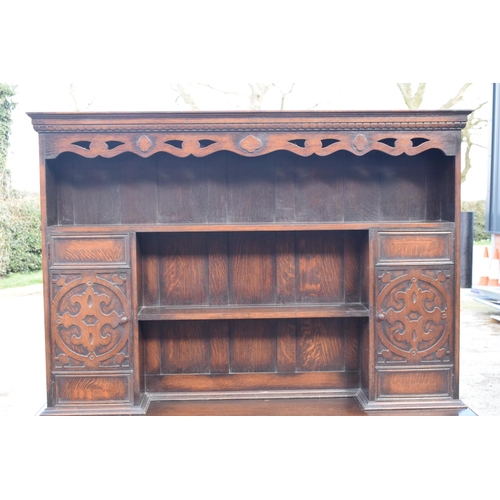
{"x":274,"y":226}
{"x":350,"y":310}
{"x":234,"y":255}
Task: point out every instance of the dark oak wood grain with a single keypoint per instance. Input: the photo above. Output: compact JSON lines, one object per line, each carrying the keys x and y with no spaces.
{"x":332,"y":407}
{"x":260,"y":255}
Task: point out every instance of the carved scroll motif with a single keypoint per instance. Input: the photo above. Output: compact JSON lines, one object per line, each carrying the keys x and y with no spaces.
{"x":250,"y":144}
{"x":412,"y":317}
{"x":91,"y":323}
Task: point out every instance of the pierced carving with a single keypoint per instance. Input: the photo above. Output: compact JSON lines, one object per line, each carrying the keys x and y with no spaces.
{"x":91,"y":321}
{"x":418,"y":141}
{"x":175,"y":144}
{"x":321,"y":144}
{"x":390,"y":141}
{"x":413,"y":324}
{"x":114,"y":144}
{"x":328,"y":142}
{"x":82,"y":144}
{"x":204,"y":143}
{"x":251,"y":143}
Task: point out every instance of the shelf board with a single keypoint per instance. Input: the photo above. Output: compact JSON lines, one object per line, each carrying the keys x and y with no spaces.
{"x":237,"y":227}
{"x":338,"y":310}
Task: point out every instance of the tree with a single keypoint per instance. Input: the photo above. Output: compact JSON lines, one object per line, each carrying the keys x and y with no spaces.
{"x":254,"y":98}
{"x":7,"y":105}
{"x":414,"y":98}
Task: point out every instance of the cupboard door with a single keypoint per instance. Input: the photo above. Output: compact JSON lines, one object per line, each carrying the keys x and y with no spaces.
{"x":414,"y":321}
{"x":413,"y":318}
{"x":91,"y":321}
{"x":90,"y":316}
{"x":91,"y":337}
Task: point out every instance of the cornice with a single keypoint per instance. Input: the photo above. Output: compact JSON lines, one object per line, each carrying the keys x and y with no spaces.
{"x":217,"y":122}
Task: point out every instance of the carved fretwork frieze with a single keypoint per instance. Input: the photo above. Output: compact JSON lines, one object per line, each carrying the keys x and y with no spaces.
{"x":249,"y":144}
{"x":413,"y":318}
{"x":90,"y":320}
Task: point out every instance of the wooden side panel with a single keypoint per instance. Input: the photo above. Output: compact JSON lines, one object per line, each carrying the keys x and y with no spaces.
{"x":252,"y":268}
{"x":415,"y":247}
{"x":251,"y":189}
{"x":96,"y":192}
{"x":138,"y":190}
{"x":185,"y":347}
{"x":227,"y":188}
{"x":219,"y":346}
{"x":218,"y":272}
{"x":319,"y":190}
{"x":65,"y":192}
{"x":182,"y":190}
{"x":286,"y":353}
{"x":285,"y":268}
{"x":151,"y":338}
{"x":355,"y":242}
{"x":414,"y":383}
{"x":252,"y":346}
{"x":403,"y":189}
{"x":320,"y":267}
{"x":253,"y":382}
{"x":85,"y":251}
{"x":150,"y":268}
{"x":78,"y":389}
{"x":362,"y":188}
{"x":184,"y":269}
{"x":353,"y":329}
{"x":304,"y":267}
{"x":284,"y":168}
{"x":217,"y":190}
{"x":320,"y":344}
{"x":90,"y":316}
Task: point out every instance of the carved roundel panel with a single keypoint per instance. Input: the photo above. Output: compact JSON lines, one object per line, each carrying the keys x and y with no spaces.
{"x":91,"y":323}
{"x":412,"y":318}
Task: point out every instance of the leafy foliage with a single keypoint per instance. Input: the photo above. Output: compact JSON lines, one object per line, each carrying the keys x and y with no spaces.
{"x":7,"y":105}
{"x":479,"y":209}
{"x":20,"y":235}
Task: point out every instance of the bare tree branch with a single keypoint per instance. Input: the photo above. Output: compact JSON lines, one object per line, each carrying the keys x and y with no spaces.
{"x":256,"y":96}
{"x":412,"y":100}
{"x":459,"y":97}
{"x":472,"y":123}
{"x":186,"y":96}
{"x":284,"y":94}
{"x":227,"y":92}
{"x":258,"y":92}
{"x":73,"y":97}
{"x":72,"y":93}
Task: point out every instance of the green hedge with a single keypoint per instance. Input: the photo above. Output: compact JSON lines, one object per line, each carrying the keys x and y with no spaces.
{"x":20,"y":235}
{"x":479,"y":209}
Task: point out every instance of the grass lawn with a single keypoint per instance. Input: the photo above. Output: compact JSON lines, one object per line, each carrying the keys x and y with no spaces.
{"x":483,"y":243}
{"x":21,"y":279}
